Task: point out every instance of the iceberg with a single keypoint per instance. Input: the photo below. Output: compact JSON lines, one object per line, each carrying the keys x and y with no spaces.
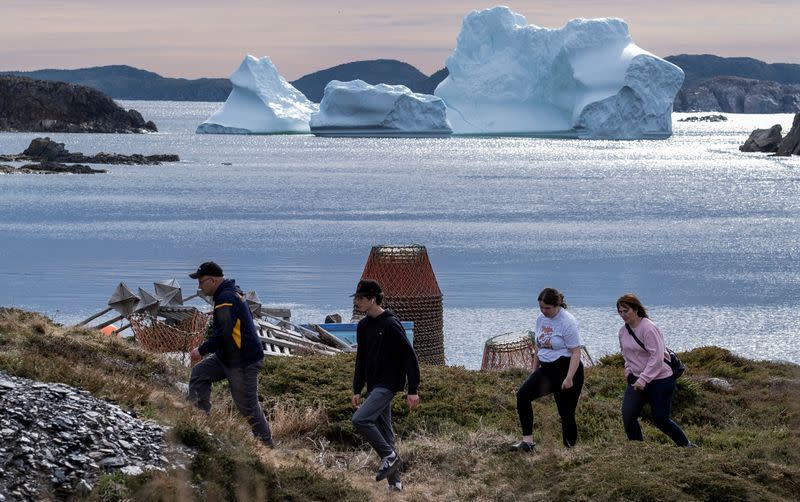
{"x":587,"y":79}
{"x":261,"y":102}
{"x":357,"y":108}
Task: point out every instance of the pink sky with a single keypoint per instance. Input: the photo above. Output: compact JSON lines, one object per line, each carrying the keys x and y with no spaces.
{"x":209,"y":38}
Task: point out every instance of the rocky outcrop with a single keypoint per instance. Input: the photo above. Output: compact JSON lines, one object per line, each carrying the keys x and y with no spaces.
{"x":763,"y":140}
{"x":790,"y":145}
{"x":48,"y":167}
{"x":705,"y":118}
{"x":57,"y":167}
{"x":738,"y":95}
{"x":47,"y":150}
{"x":43,"y":106}
{"x":56,"y":441}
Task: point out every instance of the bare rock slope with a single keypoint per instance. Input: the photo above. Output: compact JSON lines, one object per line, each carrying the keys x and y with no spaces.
{"x":42,"y":106}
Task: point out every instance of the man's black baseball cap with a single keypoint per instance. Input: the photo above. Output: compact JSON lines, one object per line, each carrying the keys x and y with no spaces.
{"x":207,"y":268}
{"x":368,"y":288}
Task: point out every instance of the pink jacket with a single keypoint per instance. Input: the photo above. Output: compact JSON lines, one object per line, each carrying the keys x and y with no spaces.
{"x":647,"y":365}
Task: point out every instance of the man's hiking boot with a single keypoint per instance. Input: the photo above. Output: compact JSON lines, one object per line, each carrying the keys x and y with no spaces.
{"x":523,"y":446}
{"x":389,"y":466}
{"x":395,"y":487}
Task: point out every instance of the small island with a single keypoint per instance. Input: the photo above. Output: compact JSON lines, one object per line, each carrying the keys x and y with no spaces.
{"x":52,"y":157}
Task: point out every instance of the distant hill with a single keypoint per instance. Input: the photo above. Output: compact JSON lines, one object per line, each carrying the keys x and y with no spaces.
{"x":127,"y":82}
{"x":428,"y":85}
{"x":698,"y":67}
{"x":738,"y":95}
{"x":378,"y":71}
{"x":736,"y":85}
{"x":698,"y":91}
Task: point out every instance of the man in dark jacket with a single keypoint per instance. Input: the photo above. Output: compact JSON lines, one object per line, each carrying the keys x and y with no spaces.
{"x":235,"y":348}
{"x":384,"y":360}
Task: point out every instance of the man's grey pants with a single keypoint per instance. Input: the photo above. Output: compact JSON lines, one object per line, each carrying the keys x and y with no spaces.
{"x":244,"y":391}
{"x":373,"y":420}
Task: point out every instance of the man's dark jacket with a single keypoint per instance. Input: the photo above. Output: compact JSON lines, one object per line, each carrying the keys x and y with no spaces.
{"x":235,"y":339}
{"x":385,"y":357}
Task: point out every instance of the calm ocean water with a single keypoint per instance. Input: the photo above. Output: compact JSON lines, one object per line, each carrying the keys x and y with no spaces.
{"x":708,"y":237}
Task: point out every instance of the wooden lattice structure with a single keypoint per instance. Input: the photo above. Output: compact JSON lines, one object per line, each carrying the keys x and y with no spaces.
{"x":411,"y":291}
{"x":172,"y":335}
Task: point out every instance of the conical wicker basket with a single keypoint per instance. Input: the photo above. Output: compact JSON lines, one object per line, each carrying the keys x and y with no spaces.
{"x":411,"y":291}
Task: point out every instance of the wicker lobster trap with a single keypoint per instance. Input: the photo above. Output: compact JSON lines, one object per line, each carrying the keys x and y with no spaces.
{"x":516,"y":350}
{"x":410,"y":290}
{"x":182,"y":331}
{"x":509,"y":350}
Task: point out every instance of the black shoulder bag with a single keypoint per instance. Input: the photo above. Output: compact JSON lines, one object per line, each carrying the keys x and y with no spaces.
{"x":674,"y":362}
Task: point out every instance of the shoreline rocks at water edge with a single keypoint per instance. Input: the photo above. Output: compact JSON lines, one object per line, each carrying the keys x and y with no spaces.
{"x":52,"y":157}
{"x":771,"y":141}
{"x":48,"y":167}
{"x":705,"y":118}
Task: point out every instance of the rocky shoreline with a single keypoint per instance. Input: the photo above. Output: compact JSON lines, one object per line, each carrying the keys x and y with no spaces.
{"x":55,"y":435}
{"x":771,"y":140}
{"x":47,"y":167}
{"x":44,"y":106}
{"x":705,"y":118}
{"x":52,"y":157}
{"x":738,"y":95}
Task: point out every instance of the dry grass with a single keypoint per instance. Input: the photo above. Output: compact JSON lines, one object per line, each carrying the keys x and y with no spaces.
{"x":226,"y":463}
{"x":454,"y":445}
{"x":288,"y":419}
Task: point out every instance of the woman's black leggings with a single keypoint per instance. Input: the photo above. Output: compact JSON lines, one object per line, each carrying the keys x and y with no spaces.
{"x":659,"y":394}
{"x":546,"y":380}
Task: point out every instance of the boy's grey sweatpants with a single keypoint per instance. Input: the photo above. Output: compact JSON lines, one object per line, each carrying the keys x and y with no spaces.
{"x":373,"y":420}
{"x":243,"y":383}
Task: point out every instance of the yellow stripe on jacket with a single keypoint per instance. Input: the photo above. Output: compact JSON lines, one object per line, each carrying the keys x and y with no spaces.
{"x":222,"y":305}
{"x":237,"y":333}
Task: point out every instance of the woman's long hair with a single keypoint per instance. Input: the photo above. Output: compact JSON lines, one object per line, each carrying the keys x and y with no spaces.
{"x":551,"y":296}
{"x":632,"y":302}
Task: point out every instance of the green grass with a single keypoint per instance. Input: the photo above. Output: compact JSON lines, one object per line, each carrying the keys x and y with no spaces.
{"x":454,"y":445}
{"x":226,"y":464}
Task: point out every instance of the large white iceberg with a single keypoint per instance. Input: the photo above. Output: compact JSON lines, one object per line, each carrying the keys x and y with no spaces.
{"x":587,"y":79}
{"x":357,"y":108}
{"x":261,"y":102}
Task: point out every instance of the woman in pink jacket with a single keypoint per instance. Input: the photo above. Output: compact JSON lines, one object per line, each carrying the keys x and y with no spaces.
{"x":649,"y":377}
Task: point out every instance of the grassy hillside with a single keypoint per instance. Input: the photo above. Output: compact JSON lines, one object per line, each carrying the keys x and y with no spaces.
{"x":454,"y":444}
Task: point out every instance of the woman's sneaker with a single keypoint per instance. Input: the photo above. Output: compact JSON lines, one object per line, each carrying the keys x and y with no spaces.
{"x":523,"y":446}
{"x":395,"y":487}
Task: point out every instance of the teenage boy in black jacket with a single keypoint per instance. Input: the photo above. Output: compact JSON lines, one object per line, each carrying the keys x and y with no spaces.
{"x":235,"y":351}
{"x":384,"y":360}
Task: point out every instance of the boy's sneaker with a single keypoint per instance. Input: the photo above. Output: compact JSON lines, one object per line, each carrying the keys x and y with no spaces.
{"x":523,"y":446}
{"x":389,"y":466}
{"x":395,"y":487}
